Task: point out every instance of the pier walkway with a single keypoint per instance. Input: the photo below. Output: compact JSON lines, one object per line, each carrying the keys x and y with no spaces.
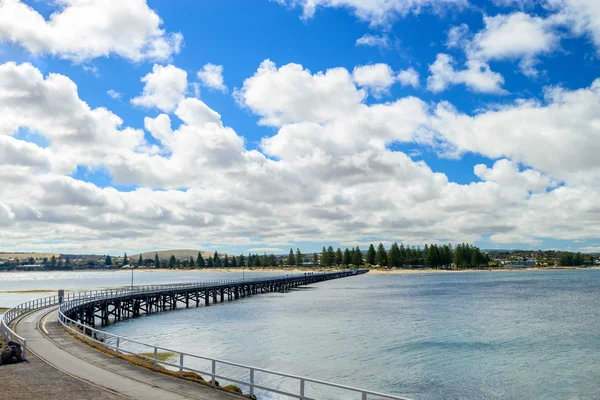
{"x":104,"y":377}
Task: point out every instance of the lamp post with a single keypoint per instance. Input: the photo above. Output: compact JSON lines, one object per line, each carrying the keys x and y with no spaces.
{"x":132,"y":278}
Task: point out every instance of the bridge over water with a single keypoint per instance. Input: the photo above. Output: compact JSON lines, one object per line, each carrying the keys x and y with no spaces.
{"x":82,"y":313}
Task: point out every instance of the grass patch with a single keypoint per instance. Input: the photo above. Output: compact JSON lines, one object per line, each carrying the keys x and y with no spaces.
{"x":140,"y":361}
{"x":30,"y":291}
{"x":3,"y":310}
{"x":161,"y":355}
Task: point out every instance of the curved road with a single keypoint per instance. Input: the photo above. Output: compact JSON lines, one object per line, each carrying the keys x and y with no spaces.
{"x":47,"y":340}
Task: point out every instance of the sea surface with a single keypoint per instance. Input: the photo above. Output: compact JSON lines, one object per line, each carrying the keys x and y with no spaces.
{"x":475,"y":335}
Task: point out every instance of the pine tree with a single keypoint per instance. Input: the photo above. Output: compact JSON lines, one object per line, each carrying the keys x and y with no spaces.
{"x":381,"y":256}
{"x":330,"y":256}
{"x":200,"y":263}
{"x":394,"y":256}
{"x":358,"y":257}
{"x":339,"y":258}
{"x":299,"y":258}
{"x":191,"y":262}
{"x":264,"y":261}
{"x":108,"y":260}
{"x":242,"y":261}
{"x":371,"y":255}
{"x":125,"y":260}
{"x":226,"y":261}
{"x":315,"y":259}
{"x":272,"y":260}
{"x":172,"y":262}
{"x":156,"y":261}
{"x":291,"y":260}
{"x":257,"y":261}
{"x":210,"y":262}
{"x":347,"y":258}
{"x":140,"y":261}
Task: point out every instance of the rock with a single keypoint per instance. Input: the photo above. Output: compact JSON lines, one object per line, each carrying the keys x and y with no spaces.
{"x":12,"y":353}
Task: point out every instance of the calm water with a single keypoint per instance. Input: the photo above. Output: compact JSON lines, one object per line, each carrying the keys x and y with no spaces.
{"x":501,"y":335}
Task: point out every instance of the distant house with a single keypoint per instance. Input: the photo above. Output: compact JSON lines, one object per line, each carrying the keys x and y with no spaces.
{"x":308,"y":264}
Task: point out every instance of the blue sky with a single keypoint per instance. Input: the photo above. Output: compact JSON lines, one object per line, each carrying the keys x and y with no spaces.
{"x":534,"y":185}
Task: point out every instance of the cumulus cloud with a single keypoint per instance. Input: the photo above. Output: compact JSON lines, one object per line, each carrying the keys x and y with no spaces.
{"x":164,"y":88}
{"x":581,"y":16}
{"x":408,"y":77}
{"x":477,"y":76}
{"x":211,"y":76}
{"x":327,"y":172}
{"x":559,"y":137}
{"x":80,"y":30}
{"x":376,"y":77}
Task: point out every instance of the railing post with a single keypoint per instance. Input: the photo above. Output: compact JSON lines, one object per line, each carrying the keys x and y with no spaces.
{"x":364,"y":395}
{"x":302,"y":389}
{"x":117,"y":349}
{"x":154,"y":362}
{"x":214,"y":372}
{"x":251,"y":381}
{"x":181,"y":365}
{"x":25,"y":349}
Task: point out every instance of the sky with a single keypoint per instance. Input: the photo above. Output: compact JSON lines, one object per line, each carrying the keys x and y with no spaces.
{"x":256,"y":126}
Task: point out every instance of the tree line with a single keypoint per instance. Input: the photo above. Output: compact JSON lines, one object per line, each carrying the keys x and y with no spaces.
{"x":397,"y":256}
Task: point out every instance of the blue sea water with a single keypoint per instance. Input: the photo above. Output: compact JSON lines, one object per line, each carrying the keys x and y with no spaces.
{"x":475,"y":335}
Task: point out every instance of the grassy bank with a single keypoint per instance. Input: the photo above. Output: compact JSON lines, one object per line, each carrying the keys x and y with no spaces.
{"x":142,"y":360}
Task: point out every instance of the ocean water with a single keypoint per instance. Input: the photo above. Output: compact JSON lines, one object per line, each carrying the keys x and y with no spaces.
{"x":475,"y":335}
{"x":479,"y":335}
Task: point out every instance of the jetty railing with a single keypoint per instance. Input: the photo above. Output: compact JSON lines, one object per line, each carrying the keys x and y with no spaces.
{"x":215,"y":370}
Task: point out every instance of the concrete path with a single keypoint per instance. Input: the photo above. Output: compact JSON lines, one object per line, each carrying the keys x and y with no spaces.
{"x":47,"y":340}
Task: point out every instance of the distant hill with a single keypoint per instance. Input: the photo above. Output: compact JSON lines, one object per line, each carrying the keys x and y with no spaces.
{"x":25,"y":256}
{"x":166,"y":254}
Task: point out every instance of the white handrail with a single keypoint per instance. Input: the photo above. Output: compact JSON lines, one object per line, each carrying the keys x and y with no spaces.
{"x":116,"y":344}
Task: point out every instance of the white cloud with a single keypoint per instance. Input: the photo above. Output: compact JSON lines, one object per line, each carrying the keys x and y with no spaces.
{"x":457,"y":36}
{"x":377,"y":12}
{"x":477,"y":76}
{"x":581,"y":16}
{"x":378,"y":78}
{"x":330,"y":153}
{"x":164,"y":88}
{"x":408,"y":77}
{"x":381,"y":41}
{"x":114,"y":94}
{"x":80,"y":30}
{"x":212,"y":76}
{"x":560,"y":137}
{"x":295,"y":95}
{"x":515,"y":36}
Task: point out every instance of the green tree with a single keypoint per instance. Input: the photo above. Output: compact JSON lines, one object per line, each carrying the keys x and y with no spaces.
{"x":156,"y":261}
{"x":347,"y":257}
{"x":315,"y":259}
{"x":191,"y":262}
{"x":140,"y":261}
{"x":358,"y":257}
{"x":108,"y":260}
{"x":371,"y":255}
{"x":226,"y":261}
{"x":210,"y":262}
{"x":125,"y":260}
{"x":234,"y":263}
{"x":200,"y":263}
{"x":217,"y":260}
{"x":291,"y":259}
{"x":339,"y":257}
{"x":394,"y":256}
{"x":330,"y":256}
{"x":381,"y":256}
{"x":172,"y":262}
{"x":242,"y":261}
{"x":299,"y":258}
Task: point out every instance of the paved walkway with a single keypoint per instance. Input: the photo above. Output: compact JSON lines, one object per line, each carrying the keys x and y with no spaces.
{"x":47,"y":340}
